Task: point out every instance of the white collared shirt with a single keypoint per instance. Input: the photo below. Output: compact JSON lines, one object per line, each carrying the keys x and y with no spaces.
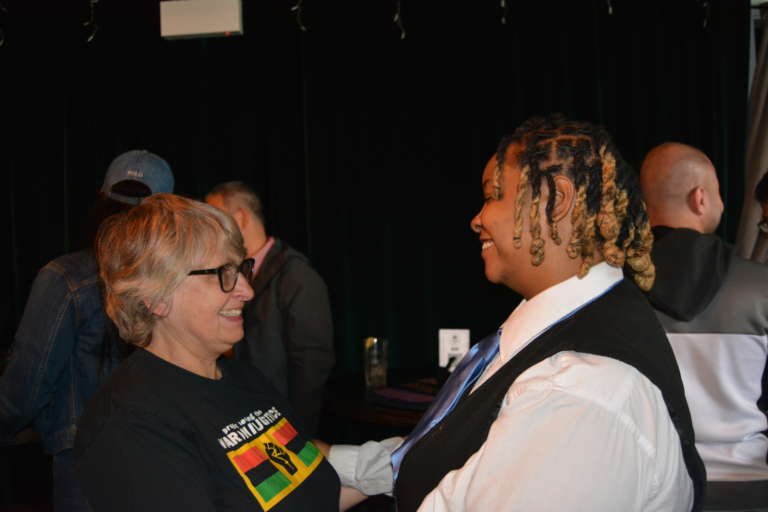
{"x":575,"y":431}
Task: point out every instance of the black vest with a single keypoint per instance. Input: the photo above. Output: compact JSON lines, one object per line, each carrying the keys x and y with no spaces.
{"x":620,"y":325}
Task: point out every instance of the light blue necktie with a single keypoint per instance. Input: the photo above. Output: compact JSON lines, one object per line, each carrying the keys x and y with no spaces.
{"x":466,"y":373}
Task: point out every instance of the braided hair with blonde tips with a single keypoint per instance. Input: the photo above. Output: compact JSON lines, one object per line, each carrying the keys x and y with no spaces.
{"x":608,"y":215}
{"x":518,"y":238}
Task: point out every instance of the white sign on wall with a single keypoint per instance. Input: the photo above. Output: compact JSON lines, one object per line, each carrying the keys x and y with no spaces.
{"x":454,"y":343}
{"x":200,"y":18}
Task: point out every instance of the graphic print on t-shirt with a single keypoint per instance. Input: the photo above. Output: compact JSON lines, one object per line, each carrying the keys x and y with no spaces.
{"x":275,"y":462}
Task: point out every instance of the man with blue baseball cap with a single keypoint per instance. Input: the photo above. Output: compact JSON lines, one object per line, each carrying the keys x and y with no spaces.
{"x":139,"y":166}
{"x":65,"y":346}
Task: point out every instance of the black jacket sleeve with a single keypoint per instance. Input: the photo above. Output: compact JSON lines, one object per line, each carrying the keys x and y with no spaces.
{"x":308,"y":338}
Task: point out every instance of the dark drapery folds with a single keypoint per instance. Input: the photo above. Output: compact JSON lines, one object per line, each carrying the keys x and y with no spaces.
{"x":367,"y":148}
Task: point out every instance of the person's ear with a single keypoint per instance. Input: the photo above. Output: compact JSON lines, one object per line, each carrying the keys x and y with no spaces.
{"x":241,"y":218}
{"x":160,"y":309}
{"x":565,"y":193}
{"x":697,"y":200}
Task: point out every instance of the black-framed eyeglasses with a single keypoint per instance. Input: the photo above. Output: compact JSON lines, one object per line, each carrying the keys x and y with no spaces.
{"x":228,"y":273}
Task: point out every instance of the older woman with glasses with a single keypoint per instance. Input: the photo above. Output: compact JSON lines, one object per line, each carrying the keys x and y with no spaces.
{"x":177,"y":427}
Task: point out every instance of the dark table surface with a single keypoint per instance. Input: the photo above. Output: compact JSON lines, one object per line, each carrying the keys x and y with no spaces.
{"x":353,"y":415}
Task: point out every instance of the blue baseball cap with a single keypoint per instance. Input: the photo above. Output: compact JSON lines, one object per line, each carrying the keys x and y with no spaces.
{"x":142,"y":166}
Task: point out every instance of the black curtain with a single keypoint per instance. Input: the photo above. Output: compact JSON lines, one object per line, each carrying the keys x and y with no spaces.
{"x":367,"y":148}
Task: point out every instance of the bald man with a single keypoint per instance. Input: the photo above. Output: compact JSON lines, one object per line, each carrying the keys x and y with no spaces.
{"x":714,"y":308}
{"x":680,"y":188}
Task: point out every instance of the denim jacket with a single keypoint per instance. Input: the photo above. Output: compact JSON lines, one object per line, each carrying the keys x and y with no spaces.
{"x":61,"y":354}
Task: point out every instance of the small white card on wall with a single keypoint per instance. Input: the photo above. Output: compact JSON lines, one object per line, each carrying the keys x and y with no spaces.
{"x":454,"y":343}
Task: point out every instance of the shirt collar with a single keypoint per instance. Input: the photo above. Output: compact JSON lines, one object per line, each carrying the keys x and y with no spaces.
{"x":531,"y":317}
{"x":261,"y":253}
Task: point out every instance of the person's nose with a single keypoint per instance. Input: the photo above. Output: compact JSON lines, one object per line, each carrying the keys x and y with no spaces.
{"x":476,"y":224}
{"x":243,"y":290}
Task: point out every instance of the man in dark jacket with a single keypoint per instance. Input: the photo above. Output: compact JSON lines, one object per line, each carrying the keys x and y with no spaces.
{"x":714,"y":307}
{"x":288,"y":325}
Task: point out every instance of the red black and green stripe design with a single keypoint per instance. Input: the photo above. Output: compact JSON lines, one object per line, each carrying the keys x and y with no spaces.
{"x":275,"y":463}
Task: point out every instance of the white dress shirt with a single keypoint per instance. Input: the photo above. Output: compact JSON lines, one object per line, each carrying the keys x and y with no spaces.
{"x":575,"y":432}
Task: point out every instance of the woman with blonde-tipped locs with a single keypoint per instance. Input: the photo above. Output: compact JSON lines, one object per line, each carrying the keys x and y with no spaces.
{"x":576,"y":401}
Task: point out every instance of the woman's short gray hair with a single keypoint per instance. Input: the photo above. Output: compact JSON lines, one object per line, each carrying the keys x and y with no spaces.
{"x":146,"y":252}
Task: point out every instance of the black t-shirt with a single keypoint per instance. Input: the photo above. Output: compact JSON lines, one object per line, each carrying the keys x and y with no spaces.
{"x":157,"y":437}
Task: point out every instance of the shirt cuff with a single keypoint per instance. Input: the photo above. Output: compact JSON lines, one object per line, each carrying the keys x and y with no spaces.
{"x":367,"y":467}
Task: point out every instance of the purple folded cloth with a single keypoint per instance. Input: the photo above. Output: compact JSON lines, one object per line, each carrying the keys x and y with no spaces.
{"x":404,"y":395}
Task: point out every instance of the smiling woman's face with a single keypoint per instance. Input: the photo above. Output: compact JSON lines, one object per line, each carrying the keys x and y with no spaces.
{"x":495,"y":225}
{"x":201,"y":316}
